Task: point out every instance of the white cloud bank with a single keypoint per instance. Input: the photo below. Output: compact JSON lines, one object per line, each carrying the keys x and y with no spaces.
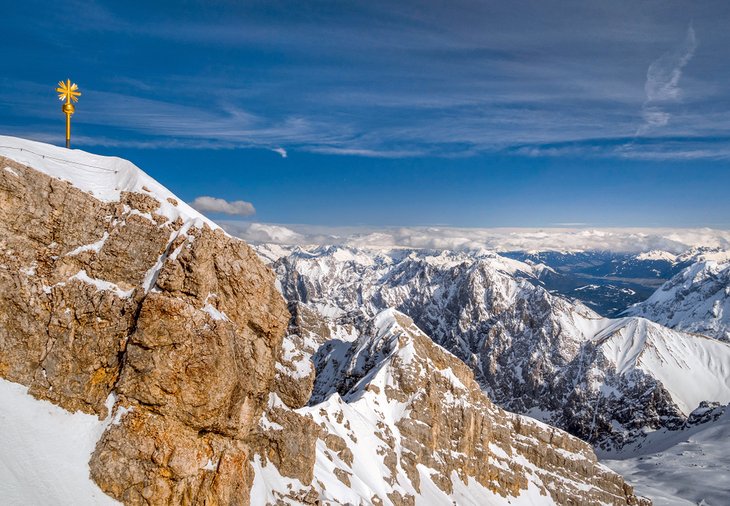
{"x":634,"y":240}
{"x":215,"y":205}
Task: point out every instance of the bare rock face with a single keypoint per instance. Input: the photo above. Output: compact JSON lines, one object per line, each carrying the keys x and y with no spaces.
{"x":294,"y":370}
{"x":152,"y":459}
{"x":180,"y":323}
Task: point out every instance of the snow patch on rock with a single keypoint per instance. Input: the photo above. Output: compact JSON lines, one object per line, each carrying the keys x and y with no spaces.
{"x":46,"y":451}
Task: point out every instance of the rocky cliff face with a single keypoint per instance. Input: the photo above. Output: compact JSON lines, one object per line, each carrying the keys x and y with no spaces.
{"x":178,"y":322}
{"x":402,"y":421}
{"x":127,"y":305}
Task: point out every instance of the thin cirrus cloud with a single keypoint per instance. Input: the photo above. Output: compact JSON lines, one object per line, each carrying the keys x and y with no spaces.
{"x":280,"y":151}
{"x":206,"y":204}
{"x":662,"y":83}
{"x":412,"y":79}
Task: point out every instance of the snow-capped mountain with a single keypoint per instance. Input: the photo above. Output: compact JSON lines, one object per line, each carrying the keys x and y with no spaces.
{"x":703,"y":254}
{"x":607,"y":381}
{"x":657,"y":255}
{"x":402,"y":421}
{"x":605,"y":264}
{"x":606,"y":281}
{"x":695,"y":300}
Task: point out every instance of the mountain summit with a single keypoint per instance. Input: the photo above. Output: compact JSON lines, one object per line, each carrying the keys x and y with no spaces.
{"x":695,"y":300}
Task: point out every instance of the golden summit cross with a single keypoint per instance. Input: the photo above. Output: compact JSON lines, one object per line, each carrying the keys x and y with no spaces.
{"x":69,"y":93}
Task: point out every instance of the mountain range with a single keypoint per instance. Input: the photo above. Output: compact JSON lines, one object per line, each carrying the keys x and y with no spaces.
{"x":695,"y":300}
{"x":146,"y":356}
{"x":608,"y":381}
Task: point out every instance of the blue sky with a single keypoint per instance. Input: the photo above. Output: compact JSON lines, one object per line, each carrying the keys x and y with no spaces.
{"x":460,"y":113}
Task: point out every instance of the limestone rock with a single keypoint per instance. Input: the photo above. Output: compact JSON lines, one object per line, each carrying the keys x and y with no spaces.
{"x":181,"y":322}
{"x":153,"y":459}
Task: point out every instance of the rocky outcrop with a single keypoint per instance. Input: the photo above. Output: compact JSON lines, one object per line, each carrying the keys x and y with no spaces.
{"x":178,"y":322}
{"x":403,"y":408}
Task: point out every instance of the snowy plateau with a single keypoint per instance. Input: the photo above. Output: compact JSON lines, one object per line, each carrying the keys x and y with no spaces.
{"x":147,"y":357}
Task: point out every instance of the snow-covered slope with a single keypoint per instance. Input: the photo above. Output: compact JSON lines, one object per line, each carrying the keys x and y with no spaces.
{"x":607,"y":381}
{"x":692,"y":369}
{"x":695,"y":300}
{"x":45,"y":451}
{"x":681,"y":468}
{"x":104,"y":177}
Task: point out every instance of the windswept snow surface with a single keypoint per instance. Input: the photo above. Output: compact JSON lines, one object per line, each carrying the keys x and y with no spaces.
{"x":105,"y":177}
{"x":691,"y":368}
{"x":681,"y":468}
{"x":46,"y":452}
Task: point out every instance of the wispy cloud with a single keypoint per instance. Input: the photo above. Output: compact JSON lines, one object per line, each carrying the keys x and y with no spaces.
{"x":385,"y":80}
{"x":207,"y":204}
{"x":662,"y":83}
{"x":633,"y":148}
{"x":281,"y":152}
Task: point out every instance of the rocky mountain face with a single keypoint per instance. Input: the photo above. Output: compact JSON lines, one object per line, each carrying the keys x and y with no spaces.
{"x":127,"y":305}
{"x":695,"y":300}
{"x":177,"y":324}
{"x":402,"y":421}
{"x":606,"y":381}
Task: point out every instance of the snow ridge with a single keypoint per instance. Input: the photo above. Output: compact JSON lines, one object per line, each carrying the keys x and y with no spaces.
{"x":105,"y":177}
{"x":695,"y":300}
